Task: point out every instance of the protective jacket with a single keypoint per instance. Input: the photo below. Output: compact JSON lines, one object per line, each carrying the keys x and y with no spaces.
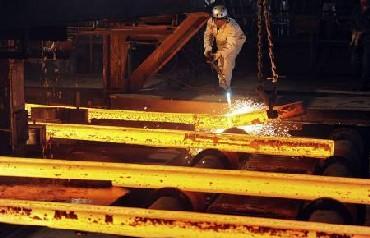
{"x":229,"y":40}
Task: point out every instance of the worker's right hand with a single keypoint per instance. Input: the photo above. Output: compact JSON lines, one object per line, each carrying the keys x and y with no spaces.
{"x":208,"y":55}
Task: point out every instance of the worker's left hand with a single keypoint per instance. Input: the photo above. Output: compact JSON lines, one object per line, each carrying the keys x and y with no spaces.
{"x":208,"y":54}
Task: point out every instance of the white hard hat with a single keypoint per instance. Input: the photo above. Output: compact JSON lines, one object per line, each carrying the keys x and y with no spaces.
{"x":209,"y":2}
{"x":219,"y":11}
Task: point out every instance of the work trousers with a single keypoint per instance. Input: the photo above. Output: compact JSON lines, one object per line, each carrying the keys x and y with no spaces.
{"x":360,"y":60}
{"x":226,"y":65}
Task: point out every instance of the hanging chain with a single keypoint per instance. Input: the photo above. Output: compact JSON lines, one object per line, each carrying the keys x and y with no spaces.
{"x":47,"y":48}
{"x":259,"y":43}
{"x":267,"y":17}
{"x":264,"y":19}
{"x":44,"y":69}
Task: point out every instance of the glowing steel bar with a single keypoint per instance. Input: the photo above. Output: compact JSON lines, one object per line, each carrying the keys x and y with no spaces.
{"x":307,"y":187}
{"x":200,"y":121}
{"x":315,"y":148}
{"x":140,"y":222}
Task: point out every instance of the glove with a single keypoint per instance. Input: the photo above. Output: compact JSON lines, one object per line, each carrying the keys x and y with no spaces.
{"x":208,"y":55}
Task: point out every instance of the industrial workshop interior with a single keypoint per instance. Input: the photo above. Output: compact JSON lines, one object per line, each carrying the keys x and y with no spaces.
{"x":184,"y":118}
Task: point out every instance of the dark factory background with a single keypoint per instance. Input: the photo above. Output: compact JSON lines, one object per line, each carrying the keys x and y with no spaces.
{"x":311,"y":40}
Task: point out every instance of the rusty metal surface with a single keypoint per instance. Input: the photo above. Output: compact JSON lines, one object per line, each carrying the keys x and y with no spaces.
{"x":115,"y":50}
{"x":168,"y":48}
{"x":305,"y":187}
{"x":151,"y":223}
{"x":284,"y":146}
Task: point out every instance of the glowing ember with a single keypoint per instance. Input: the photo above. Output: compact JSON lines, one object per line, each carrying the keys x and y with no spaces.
{"x":244,"y":106}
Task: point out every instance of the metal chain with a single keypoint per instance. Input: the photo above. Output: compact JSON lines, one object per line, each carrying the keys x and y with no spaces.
{"x":44,"y":69}
{"x":259,"y":43}
{"x":49,"y":47}
{"x":267,"y":17}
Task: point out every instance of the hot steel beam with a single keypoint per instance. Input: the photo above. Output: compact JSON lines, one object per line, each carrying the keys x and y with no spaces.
{"x":200,"y":121}
{"x":306,"y":187}
{"x":139,"y":222}
{"x":280,"y":146}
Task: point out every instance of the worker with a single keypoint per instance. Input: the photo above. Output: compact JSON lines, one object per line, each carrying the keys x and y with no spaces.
{"x":361,"y":42}
{"x":229,"y":39}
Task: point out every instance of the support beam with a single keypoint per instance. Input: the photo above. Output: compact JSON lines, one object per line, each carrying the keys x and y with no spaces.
{"x":115,"y":50}
{"x":153,"y":223}
{"x":132,"y":31}
{"x":305,"y":187}
{"x":169,"y":47}
{"x":279,"y":146}
{"x":13,"y":117}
